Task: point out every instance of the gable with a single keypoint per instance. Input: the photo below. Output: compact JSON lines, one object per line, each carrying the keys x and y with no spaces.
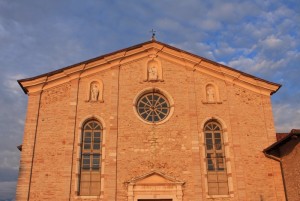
{"x":154,"y":177}
{"x":150,"y":49}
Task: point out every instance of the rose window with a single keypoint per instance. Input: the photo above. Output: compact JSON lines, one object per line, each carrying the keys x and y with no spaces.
{"x":153,"y":107}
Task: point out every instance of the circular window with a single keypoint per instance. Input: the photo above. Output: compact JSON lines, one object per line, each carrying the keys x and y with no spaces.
{"x":153,"y":107}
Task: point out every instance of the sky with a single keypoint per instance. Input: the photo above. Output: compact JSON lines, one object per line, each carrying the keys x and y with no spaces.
{"x":261,"y":38}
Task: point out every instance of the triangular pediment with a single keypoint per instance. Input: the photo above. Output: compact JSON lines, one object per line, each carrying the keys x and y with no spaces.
{"x":154,"y":177}
{"x":148,"y":49}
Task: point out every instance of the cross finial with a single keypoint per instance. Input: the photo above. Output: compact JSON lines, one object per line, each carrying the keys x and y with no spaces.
{"x":153,"y":34}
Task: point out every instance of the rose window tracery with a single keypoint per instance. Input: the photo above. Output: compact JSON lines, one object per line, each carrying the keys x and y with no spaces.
{"x":153,"y":107}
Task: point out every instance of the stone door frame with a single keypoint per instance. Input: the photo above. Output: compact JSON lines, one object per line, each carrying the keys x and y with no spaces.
{"x":155,"y":185}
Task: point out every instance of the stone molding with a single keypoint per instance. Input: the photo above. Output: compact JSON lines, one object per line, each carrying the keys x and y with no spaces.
{"x":78,"y":154}
{"x":100,"y":86}
{"x":145,"y":50}
{"x":154,"y":185}
{"x":153,"y":61}
{"x":154,"y":89}
{"x":228,"y":156}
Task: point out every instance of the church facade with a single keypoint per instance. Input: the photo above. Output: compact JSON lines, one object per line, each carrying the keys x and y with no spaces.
{"x":148,"y":123}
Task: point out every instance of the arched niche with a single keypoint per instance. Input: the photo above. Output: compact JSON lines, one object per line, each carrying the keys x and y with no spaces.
{"x":153,"y":70}
{"x":211,"y":93}
{"x":95,"y":91}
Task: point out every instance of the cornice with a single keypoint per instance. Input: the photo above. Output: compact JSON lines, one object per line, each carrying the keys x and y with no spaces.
{"x":125,"y":56}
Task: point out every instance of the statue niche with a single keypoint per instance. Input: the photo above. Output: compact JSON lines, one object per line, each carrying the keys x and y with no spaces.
{"x":95,"y":91}
{"x":212,"y":93}
{"x":153,"y":71}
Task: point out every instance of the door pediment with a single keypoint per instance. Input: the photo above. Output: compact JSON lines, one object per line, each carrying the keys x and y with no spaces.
{"x":154,"y":177}
{"x":155,"y":185}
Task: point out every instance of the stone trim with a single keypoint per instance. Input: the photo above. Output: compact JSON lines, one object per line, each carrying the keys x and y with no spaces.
{"x":154,"y":185}
{"x":157,"y":61}
{"x":228,"y":157}
{"x":155,"y":89}
{"x":216,"y":95}
{"x":101,"y":92}
{"x":162,"y":50}
{"x":78,"y":157}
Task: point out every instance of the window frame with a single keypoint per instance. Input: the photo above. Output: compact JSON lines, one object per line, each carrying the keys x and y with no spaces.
{"x":149,"y":107}
{"x":215,"y":176}
{"x":155,"y":90}
{"x":94,"y":174}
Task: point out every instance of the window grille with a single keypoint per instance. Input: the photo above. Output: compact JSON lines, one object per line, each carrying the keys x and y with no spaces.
{"x":215,"y":159}
{"x":153,"y":107}
{"x":90,"y":163}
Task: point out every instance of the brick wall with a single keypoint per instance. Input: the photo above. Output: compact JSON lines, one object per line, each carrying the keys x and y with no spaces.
{"x":290,"y":155}
{"x":130,"y":150}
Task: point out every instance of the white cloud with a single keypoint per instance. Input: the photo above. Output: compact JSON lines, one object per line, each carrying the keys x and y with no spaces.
{"x":202,"y":49}
{"x":242,"y":63}
{"x":278,"y":14}
{"x":9,"y":159}
{"x":273,"y":42}
{"x":12,"y":85}
{"x":257,"y":64}
{"x":167,"y":24}
{"x":229,"y":11}
{"x":224,"y":49}
{"x":3,"y":31}
{"x":8,"y":190}
{"x":208,"y":24}
{"x":286,"y":117}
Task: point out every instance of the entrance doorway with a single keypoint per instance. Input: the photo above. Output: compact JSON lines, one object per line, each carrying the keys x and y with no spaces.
{"x":154,"y":186}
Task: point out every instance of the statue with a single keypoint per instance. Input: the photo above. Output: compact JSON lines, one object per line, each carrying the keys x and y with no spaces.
{"x":210,"y":93}
{"x":152,"y":73}
{"x":94,"y":92}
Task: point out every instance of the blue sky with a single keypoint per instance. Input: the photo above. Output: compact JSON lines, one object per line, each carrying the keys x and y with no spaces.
{"x":37,"y":36}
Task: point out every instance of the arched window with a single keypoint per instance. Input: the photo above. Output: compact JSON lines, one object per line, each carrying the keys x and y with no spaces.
{"x":90,"y":163}
{"x":215,"y":159}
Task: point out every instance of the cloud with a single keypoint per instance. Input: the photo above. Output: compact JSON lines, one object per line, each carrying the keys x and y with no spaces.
{"x":272,"y":42}
{"x":7,"y":190}
{"x":10,"y":159}
{"x":209,"y":24}
{"x":204,"y":50}
{"x":224,"y":49}
{"x":12,"y":86}
{"x":286,"y":116}
{"x":257,"y":64}
{"x":167,"y":24}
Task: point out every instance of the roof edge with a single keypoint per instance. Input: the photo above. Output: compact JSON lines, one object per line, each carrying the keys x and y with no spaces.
{"x":219,"y":64}
{"x":140,"y":45}
{"x":84,"y":62}
{"x":275,"y":145}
